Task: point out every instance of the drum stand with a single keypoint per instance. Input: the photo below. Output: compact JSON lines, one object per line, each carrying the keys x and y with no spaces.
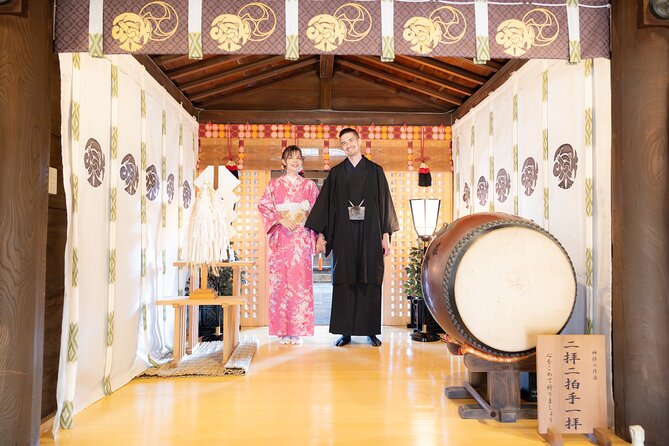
{"x":496,"y":388}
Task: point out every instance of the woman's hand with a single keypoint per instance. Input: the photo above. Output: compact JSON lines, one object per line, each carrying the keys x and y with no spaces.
{"x":288,"y":224}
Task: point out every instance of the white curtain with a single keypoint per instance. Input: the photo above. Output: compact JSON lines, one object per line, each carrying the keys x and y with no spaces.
{"x":504,"y":185}
{"x":550,"y":132}
{"x":531,"y":179}
{"x":480,"y":181}
{"x":125,"y":144}
{"x":463,"y":167}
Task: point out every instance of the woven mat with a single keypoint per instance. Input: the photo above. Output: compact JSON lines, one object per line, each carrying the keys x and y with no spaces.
{"x":206,"y":361}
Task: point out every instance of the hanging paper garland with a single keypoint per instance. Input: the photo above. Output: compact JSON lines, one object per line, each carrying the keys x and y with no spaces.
{"x":368,"y":149}
{"x":448,"y":137}
{"x":326,"y":155}
{"x":410,"y":155}
{"x":284,"y":144}
{"x":240,"y":155}
{"x":450,"y":151}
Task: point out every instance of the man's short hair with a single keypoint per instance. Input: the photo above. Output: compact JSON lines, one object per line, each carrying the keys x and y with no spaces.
{"x":349,"y":130}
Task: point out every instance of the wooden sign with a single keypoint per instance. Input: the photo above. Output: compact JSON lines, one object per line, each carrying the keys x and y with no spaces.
{"x":571,"y":383}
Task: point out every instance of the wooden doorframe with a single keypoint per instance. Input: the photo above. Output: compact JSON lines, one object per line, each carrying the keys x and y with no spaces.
{"x":640,"y":230}
{"x":25,"y":128}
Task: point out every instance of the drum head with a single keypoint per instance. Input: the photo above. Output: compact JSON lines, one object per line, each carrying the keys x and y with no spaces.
{"x":513,"y":283}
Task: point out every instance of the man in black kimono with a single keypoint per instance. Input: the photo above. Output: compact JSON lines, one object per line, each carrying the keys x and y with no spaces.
{"x":355,"y":214}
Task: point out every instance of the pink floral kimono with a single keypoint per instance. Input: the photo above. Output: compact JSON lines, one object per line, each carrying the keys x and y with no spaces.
{"x":291,"y":292}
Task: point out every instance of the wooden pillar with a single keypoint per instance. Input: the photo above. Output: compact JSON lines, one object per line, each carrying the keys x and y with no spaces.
{"x":640,"y":221}
{"x":25,"y":77}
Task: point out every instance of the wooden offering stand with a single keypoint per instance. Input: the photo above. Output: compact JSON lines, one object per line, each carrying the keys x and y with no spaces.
{"x":200,"y":289}
{"x":496,"y":388}
{"x":199,"y":282}
{"x":186,"y":333}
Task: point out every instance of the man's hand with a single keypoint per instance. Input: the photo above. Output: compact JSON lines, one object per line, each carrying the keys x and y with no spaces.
{"x":320,"y":244}
{"x":288,"y":224}
{"x":385,"y":243}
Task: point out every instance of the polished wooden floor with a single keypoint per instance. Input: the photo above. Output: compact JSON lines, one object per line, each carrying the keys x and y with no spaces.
{"x":312,"y":394}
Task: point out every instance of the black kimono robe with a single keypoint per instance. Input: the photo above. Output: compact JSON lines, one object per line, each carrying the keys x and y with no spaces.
{"x":357,"y":267}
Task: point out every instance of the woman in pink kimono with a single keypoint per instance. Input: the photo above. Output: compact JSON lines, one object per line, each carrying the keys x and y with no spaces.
{"x":284,"y":207}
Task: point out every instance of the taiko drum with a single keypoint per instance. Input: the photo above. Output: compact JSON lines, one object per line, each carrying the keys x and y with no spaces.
{"x":495,"y":282}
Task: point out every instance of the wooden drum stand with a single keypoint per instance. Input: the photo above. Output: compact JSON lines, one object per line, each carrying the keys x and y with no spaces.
{"x":496,"y":388}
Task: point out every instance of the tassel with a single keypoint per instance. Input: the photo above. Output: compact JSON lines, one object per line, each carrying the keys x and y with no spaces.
{"x":232,"y":167}
{"x":320,"y":262}
{"x":424,"y":176}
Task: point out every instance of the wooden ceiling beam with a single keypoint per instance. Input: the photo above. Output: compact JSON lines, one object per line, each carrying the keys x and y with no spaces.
{"x":256,"y":88}
{"x":444,"y":83}
{"x":437,"y":106}
{"x":155,"y":72}
{"x":493,"y":83}
{"x":326,"y":94}
{"x":167,"y":58}
{"x":216,"y":78}
{"x":401,"y":82}
{"x":330,"y":117}
{"x":294,"y":66}
{"x":490,"y":66}
{"x":325,"y":70}
{"x":448,"y":69}
{"x":190,"y":69}
{"x":326,"y":66}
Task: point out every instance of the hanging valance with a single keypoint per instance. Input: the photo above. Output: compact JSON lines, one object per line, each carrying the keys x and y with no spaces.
{"x":322,"y":131}
{"x":477,"y":29}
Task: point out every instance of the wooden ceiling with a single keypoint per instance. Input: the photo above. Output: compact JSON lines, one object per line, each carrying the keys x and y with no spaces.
{"x":326,"y":88}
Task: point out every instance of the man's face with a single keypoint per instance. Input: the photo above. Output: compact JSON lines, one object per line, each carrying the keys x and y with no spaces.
{"x":350,"y":144}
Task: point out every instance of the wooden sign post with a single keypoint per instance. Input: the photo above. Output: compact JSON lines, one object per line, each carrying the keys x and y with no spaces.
{"x":571,"y":386}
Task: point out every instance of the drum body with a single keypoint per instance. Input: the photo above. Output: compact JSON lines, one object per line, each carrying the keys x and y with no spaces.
{"x":496,"y":281}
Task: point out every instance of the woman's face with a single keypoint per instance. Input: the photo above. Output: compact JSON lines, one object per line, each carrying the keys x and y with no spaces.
{"x":293,"y":163}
